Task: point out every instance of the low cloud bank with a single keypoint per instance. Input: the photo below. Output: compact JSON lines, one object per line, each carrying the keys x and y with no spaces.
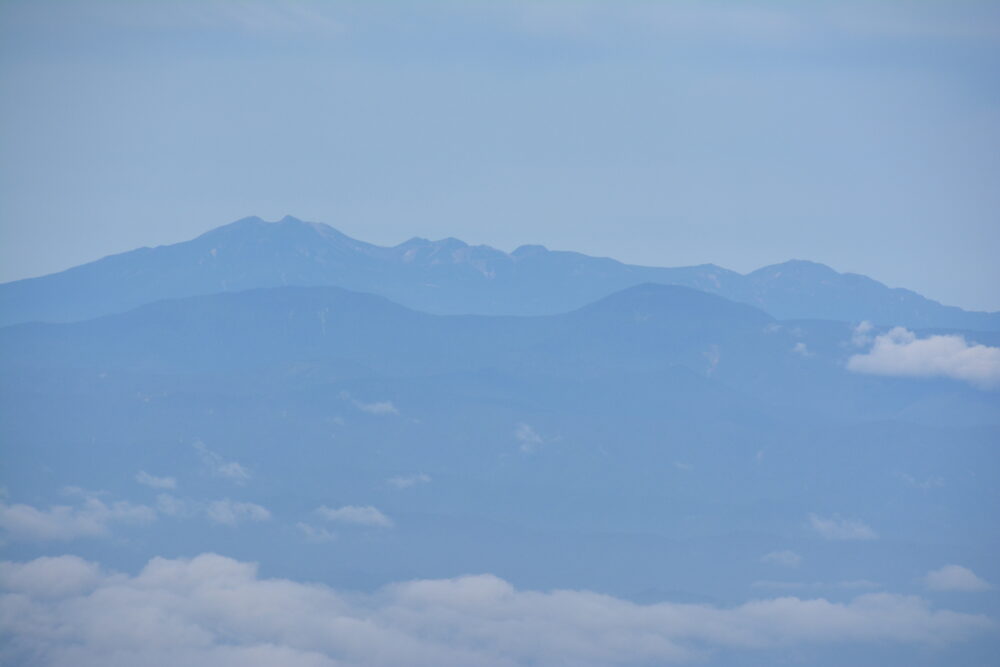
{"x":900,"y":353}
{"x":213,"y":610}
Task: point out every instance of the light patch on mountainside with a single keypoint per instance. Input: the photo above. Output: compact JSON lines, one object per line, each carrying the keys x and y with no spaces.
{"x":786,"y":558}
{"x":212,"y":610}
{"x":359,"y":515}
{"x":836,"y":528}
{"x":899,"y":353}
{"x":154,"y":482}
{"x":219,"y":467}
{"x":955,"y":578}
{"x":91,"y":517}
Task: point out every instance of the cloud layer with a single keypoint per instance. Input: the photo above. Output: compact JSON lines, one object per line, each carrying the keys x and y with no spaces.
{"x":212,"y":610}
{"x":955,"y":578}
{"x":900,"y":353}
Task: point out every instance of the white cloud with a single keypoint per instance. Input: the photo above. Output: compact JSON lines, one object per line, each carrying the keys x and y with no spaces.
{"x":219,"y":467}
{"x":862,"y":334}
{"x":404,"y":482}
{"x":836,"y":528}
{"x":315,"y":534}
{"x":224,"y":511}
{"x":900,"y":353}
{"x":90,"y":518}
{"x":373,"y":408}
{"x":145,"y":478}
{"x":802,"y":350}
{"x":212,"y":610}
{"x":231,"y":513}
{"x":360,"y":515}
{"x":47,"y":577}
{"x":786,"y":557}
{"x":527,"y":437}
{"x":955,"y":578}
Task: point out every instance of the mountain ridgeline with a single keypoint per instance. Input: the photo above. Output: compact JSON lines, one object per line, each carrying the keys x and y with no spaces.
{"x":446,"y":277}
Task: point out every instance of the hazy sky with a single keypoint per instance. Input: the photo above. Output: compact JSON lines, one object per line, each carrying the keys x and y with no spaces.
{"x":865,"y":135}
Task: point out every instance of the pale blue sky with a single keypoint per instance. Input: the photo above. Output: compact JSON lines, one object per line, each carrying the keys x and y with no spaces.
{"x":865,"y":135}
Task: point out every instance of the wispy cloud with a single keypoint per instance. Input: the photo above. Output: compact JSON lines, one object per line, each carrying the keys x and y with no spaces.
{"x":225,"y":511}
{"x":219,"y":467}
{"x":528,"y":437}
{"x":92,"y":517}
{"x":786,"y":558}
{"x":373,"y":408}
{"x":231,"y":513}
{"x":315,"y":534}
{"x":406,"y":481}
{"x":355,"y":514}
{"x":153,"y":482}
{"x":899,"y":353}
{"x":836,"y":528}
{"x":215,"y":610}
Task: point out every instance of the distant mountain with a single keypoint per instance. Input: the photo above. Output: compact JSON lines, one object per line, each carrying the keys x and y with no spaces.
{"x":336,"y":333}
{"x":445,"y":277}
{"x":657,"y":325}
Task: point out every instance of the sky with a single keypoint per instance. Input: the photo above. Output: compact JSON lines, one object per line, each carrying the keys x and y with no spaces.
{"x":864,"y":135}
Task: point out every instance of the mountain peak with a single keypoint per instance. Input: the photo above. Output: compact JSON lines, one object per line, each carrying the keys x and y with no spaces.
{"x":798,"y":268}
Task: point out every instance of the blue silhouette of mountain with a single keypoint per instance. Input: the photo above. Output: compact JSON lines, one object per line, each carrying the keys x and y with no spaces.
{"x":445,"y":277}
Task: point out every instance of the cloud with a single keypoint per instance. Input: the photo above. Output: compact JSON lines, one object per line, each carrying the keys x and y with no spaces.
{"x":362,"y":516}
{"x":144,"y":477}
{"x":314,"y":534}
{"x":802,"y":350}
{"x":528,"y":437}
{"x":219,"y":467}
{"x":212,"y":610}
{"x":231,"y":513}
{"x":922,"y":484}
{"x":787,"y":558}
{"x":225,"y":511}
{"x":90,"y":518}
{"x":374,"y":408}
{"x":955,"y":578}
{"x":46,"y":577}
{"x":836,"y":528}
{"x":899,"y":353}
{"x":862,"y":334}
{"x":404,"y":482}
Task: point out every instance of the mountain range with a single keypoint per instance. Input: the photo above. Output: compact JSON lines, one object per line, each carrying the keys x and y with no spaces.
{"x":446,"y":277}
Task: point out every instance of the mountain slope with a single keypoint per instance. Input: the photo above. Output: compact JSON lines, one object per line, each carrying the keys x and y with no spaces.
{"x":445,"y":277}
